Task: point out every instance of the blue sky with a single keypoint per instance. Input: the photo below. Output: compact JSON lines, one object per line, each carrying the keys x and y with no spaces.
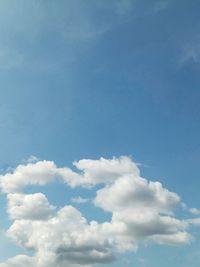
{"x":91,"y":79}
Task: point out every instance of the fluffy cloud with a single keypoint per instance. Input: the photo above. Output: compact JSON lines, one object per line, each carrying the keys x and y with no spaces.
{"x":105,"y":170}
{"x":145,"y":208}
{"x":67,"y":237}
{"x":90,"y":172}
{"x":29,"y":207}
{"x":132,"y":192}
{"x":39,"y":173}
{"x":142,"y":211}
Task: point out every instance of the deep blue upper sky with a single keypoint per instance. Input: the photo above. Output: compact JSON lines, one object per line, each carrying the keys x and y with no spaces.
{"x":85,"y":79}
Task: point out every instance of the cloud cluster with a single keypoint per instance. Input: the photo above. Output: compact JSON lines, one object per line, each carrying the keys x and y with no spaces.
{"x":141,"y":211}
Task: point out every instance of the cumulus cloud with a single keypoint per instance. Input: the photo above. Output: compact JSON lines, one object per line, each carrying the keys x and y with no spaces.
{"x":67,"y":237}
{"x":135,"y":193}
{"x":39,"y":173}
{"x":142,"y":211}
{"x":90,"y":173}
{"x":105,"y":170}
{"x":145,"y":208}
{"x":30,"y":207}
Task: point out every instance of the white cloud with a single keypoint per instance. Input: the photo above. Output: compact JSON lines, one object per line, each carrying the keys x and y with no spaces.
{"x":145,"y":208}
{"x":44,"y":172}
{"x":30,"y":207}
{"x":39,"y":173}
{"x":67,"y":237}
{"x":142,"y":211}
{"x":105,"y":170}
{"x":132,"y":192}
{"x":32,"y":159}
{"x":79,"y":200}
{"x":177,"y":239}
{"x":194,"y":211}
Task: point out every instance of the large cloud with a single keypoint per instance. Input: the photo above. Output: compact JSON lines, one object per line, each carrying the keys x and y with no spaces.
{"x":90,"y":172}
{"x":132,"y":192}
{"x":67,"y":237}
{"x":145,"y":208}
{"x":142,"y":211}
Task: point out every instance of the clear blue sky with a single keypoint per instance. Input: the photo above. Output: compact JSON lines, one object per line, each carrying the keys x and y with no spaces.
{"x":90,"y":79}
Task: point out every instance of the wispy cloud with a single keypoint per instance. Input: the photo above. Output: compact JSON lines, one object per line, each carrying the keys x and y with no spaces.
{"x":80,"y":200}
{"x":191,"y":51}
{"x":68,"y":22}
{"x":194,"y":211}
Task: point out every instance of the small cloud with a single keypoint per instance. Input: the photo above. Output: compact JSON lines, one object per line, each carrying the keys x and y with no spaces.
{"x":31,"y":159}
{"x":190,"y":53}
{"x":80,"y":200}
{"x":194,"y":211}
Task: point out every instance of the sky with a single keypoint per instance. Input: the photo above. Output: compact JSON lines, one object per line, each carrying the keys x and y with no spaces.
{"x":99,"y":133}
